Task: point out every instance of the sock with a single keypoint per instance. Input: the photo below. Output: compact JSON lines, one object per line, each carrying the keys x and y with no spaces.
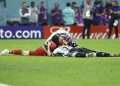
{"x":16,"y":52}
{"x":102,"y":54}
{"x":32,"y":53}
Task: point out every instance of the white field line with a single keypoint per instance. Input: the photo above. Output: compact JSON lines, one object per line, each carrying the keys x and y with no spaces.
{"x":1,"y":84}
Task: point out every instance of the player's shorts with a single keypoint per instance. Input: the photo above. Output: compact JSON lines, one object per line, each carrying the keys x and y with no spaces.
{"x":42,"y":51}
{"x":39,"y":52}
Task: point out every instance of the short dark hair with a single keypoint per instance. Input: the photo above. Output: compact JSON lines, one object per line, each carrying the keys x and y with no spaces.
{"x":68,"y":4}
{"x":32,"y":3}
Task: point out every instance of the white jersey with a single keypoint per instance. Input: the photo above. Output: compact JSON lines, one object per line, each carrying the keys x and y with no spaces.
{"x":34,"y":15}
{"x":64,"y":50}
{"x":87,"y":10}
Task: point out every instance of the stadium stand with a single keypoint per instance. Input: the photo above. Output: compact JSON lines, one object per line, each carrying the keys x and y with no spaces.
{"x":40,"y":12}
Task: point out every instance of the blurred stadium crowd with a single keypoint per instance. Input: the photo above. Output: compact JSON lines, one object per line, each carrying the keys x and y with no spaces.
{"x":71,"y":14}
{"x":90,"y":12}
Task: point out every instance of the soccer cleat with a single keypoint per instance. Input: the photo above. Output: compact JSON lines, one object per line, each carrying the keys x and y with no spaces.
{"x":119,"y":55}
{"x":116,"y":55}
{"x":4,"y":52}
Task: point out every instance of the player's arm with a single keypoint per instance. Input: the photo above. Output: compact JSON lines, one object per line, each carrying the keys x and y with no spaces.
{"x":48,"y":49}
{"x":50,"y":37}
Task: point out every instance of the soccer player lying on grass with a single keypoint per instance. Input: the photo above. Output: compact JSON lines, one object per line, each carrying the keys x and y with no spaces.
{"x":41,"y":51}
{"x":72,"y":50}
{"x":45,"y":50}
{"x":52,"y":42}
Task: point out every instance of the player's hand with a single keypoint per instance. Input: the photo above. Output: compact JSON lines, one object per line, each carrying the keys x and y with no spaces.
{"x":49,"y":53}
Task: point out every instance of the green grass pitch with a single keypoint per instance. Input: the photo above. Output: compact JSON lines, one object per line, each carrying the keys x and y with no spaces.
{"x":59,"y":71}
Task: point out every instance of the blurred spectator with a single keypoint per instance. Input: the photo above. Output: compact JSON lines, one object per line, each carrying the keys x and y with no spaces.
{"x":56,"y":15}
{"x":74,"y":5}
{"x":87,"y":16}
{"x":108,"y":7}
{"x":43,"y":14}
{"x":68,"y":15}
{"x":98,"y":12}
{"x":34,"y":13}
{"x":114,"y":18}
{"x":78,"y":16}
{"x":25,"y":13}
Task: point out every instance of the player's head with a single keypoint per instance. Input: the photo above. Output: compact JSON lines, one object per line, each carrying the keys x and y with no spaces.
{"x":68,"y":4}
{"x":88,"y":1}
{"x":56,"y":5}
{"x":24,"y":4}
{"x":42,"y":3}
{"x":65,"y":39}
{"x":53,"y":46}
{"x":32,"y":4}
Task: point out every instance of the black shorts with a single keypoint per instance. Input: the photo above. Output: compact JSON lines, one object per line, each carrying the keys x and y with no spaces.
{"x":85,"y":50}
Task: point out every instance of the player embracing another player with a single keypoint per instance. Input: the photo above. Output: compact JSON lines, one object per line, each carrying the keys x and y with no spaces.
{"x":55,"y":40}
{"x":60,"y":43}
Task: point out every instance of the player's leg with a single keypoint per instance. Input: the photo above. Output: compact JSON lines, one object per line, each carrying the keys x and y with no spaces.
{"x":4,"y":52}
{"x":111,"y":21}
{"x":116,"y":32}
{"x":103,"y":54}
{"x":81,"y":52}
{"x":38,"y":52}
{"x":9,"y":52}
{"x":89,"y":28}
{"x":94,"y":53}
{"x":84,"y":29}
{"x":86,"y":50}
{"x":77,"y":54}
{"x":83,"y":33}
{"x":14,"y":52}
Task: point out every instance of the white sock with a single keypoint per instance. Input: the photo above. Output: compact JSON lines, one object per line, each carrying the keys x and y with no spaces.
{"x":25,"y":53}
{"x":4,"y":52}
